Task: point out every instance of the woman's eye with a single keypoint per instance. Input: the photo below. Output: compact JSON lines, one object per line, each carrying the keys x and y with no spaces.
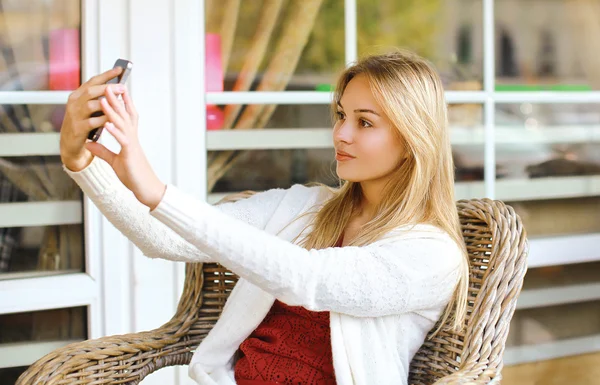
{"x":340,"y":115}
{"x":364,"y":123}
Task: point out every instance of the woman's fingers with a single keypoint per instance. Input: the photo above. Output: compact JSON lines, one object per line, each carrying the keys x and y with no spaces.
{"x":92,"y":106}
{"x":129,"y":106}
{"x":101,"y":152}
{"x":103,"y":77}
{"x":115,"y":103}
{"x":93,"y":92}
{"x":87,"y":92}
{"x":93,"y":122}
{"x":118,"y":134}
{"x":112,"y":115}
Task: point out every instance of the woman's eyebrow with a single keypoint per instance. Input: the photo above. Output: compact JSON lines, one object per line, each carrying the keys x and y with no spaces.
{"x":367,"y":111}
{"x":360,"y":110}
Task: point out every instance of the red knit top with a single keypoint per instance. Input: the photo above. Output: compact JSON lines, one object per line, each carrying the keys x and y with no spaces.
{"x":291,"y":346}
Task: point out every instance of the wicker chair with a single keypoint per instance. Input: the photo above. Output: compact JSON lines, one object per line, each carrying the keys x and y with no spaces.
{"x":497,"y":248}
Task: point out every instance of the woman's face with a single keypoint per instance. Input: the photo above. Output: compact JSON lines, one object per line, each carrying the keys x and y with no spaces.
{"x":366,"y":144}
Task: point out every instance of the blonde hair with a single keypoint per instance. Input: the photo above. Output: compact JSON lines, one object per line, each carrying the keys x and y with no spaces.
{"x":411,"y":94}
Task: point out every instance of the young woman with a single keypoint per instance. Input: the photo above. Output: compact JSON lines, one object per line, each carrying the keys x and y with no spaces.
{"x":337,"y":285}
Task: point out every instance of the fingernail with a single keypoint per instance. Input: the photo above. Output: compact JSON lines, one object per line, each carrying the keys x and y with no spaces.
{"x":119,"y":88}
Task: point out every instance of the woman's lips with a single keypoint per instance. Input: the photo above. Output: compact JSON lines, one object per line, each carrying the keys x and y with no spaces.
{"x":342,"y":156}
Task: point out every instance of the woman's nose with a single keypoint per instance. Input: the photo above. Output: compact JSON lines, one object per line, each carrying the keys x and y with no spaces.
{"x":343,"y":132}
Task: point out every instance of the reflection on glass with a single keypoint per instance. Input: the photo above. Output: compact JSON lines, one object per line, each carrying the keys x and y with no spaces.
{"x":466,"y":135}
{"x":551,"y":217}
{"x":40,"y":41}
{"x":550,"y":324}
{"x":301,"y":116}
{"x":47,"y":249}
{"x":55,"y":327}
{"x":34,"y":251}
{"x":291,"y":115}
{"x":546,"y":45}
{"x":16,"y":118}
{"x":33,"y":178}
{"x":263,"y":170}
{"x":10,"y":375}
{"x":36,"y":178}
{"x":548,"y":140}
{"x":557,"y":276}
{"x":46,"y":325}
{"x":271,"y":45}
{"x":447,"y":32}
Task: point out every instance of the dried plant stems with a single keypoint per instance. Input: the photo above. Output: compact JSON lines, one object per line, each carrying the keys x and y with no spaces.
{"x":211,"y":16}
{"x":228,"y":27}
{"x":292,"y":41}
{"x":264,"y":31}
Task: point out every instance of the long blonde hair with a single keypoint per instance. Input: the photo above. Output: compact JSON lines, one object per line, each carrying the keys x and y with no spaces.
{"x":411,"y":94}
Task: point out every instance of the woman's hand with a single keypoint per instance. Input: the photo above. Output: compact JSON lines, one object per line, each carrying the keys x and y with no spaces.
{"x":78,"y":120}
{"x":130,"y":165}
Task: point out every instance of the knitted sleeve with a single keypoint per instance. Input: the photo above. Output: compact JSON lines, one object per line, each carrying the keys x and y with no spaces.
{"x":99,"y":182}
{"x":417,"y":270}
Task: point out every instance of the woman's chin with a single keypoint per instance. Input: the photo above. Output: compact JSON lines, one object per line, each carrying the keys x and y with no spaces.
{"x":347,"y":176}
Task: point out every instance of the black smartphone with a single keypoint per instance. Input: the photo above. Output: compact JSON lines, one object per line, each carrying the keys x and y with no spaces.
{"x":94,"y":135}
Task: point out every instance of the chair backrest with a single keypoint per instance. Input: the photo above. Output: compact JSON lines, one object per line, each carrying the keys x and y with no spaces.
{"x":497,"y":248}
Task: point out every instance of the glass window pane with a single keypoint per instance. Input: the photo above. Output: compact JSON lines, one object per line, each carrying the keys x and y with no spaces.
{"x":545,"y":45}
{"x":555,"y":323}
{"x":37,"y":251}
{"x":448,"y":33}
{"x":35,"y":179}
{"x":18,"y":118}
{"x":26,"y":337}
{"x":296,"y":46}
{"x":548,"y":149}
{"x":10,"y":375}
{"x":40,"y":41}
{"x":557,"y":217}
{"x":548,"y":162}
{"x":46,"y":325}
{"x":557,"y":276}
{"x":275,"y":116}
{"x":26,"y":181}
{"x":263,"y":169}
{"x":467,"y":137}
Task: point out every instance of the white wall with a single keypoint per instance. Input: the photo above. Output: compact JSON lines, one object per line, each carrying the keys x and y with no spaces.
{"x":139,"y":293}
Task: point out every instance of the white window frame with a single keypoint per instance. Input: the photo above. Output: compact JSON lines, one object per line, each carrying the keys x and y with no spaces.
{"x":37,"y":292}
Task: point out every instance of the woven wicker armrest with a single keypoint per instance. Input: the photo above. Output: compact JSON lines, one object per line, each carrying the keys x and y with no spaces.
{"x":119,"y":359}
{"x":468,"y":377}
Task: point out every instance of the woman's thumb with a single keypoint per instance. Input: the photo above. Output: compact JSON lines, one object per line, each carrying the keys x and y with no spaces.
{"x":101,"y":152}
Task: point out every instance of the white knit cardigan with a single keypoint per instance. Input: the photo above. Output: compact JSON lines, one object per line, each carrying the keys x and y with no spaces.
{"x":383,"y":298}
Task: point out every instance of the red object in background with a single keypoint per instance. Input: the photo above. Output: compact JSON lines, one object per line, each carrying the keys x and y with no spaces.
{"x":213,"y":76}
{"x":64,"y":59}
{"x":214,"y":117}
{"x":214,"y":63}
